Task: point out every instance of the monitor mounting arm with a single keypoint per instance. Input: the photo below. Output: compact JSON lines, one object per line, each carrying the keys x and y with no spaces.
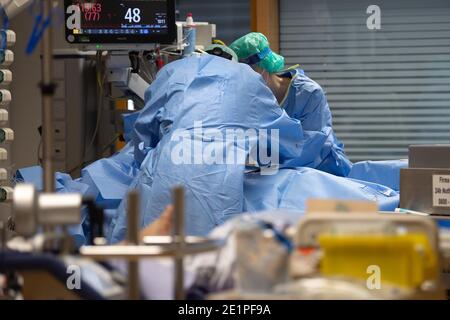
{"x":123,"y":76}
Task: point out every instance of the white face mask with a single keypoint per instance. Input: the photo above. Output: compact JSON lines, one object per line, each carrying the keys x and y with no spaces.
{"x":265,"y":75}
{"x":267,"y":79}
{"x":277,"y":90}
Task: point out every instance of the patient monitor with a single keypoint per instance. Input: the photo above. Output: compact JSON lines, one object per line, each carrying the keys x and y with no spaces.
{"x":110,"y":24}
{"x":120,"y":26}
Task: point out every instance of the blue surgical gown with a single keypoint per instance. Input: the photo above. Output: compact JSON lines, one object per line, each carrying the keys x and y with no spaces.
{"x":221,"y":95}
{"x":306,"y":101}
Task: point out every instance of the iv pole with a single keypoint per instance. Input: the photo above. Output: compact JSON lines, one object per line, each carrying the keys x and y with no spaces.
{"x":47,"y":90}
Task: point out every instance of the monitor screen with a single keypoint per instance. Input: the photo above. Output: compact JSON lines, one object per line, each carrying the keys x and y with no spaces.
{"x":120,"y":21}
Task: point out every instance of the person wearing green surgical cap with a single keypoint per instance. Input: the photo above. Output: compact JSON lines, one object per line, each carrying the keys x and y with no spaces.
{"x":253,"y":49}
{"x":302,"y":99}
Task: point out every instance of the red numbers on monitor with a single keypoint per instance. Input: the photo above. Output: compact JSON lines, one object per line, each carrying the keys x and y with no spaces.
{"x":91,"y":10}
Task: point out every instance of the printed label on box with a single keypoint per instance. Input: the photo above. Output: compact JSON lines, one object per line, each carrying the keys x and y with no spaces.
{"x":441,"y":191}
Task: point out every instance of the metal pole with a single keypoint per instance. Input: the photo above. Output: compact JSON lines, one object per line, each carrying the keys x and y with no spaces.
{"x":3,"y":236}
{"x":47,"y":89}
{"x":133,"y":239}
{"x":179,"y":236}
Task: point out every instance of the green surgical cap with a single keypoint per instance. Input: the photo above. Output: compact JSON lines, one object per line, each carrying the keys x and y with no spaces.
{"x":256,"y":46}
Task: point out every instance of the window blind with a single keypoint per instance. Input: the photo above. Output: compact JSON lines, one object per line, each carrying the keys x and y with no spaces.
{"x":387,"y":88}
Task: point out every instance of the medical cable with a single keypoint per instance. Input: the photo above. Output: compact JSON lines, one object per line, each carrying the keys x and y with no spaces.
{"x":100,"y":82}
{"x":104,"y":148}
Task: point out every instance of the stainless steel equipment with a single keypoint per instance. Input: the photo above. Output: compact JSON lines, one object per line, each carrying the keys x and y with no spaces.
{"x":425,"y":185}
{"x":177,"y":247}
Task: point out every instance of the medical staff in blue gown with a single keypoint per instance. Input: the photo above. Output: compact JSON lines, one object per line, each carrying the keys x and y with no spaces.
{"x":303,"y":99}
{"x":221,"y":96}
{"x":195,"y":103}
{"x":198,"y":117}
